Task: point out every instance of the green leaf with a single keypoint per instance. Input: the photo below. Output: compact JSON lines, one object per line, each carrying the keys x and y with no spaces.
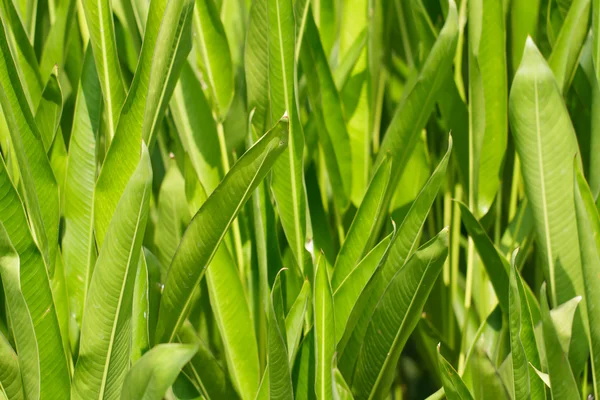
{"x":362,"y":232}
{"x":78,"y":246}
{"x":199,"y":244}
{"x":10,"y":373}
{"x":524,"y":16}
{"x":562,"y":379}
{"x":27,"y":365}
{"x":341,"y":390}
{"x":99,"y":17}
{"x":173,"y":216}
{"x":402,"y":246}
{"x":520,"y":367}
{"x":287,"y":180}
{"x":23,"y":53}
{"x":395,"y":317}
{"x":278,"y":376}
{"x":588,"y":228}
{"x":488,"y":95}
{"x":232,"y":314}
{"x":256,"y":52}
{"x":106,"y":328}
{"x":545,"y":142}
{"x":294,"y":320}
{"x":454,"y":387}
{"x":40,"y":188}
{"x":496,"y":265}
{"x":146,"y":297}
{"x":326,"y":106}
{"x":417,"y":104}
{"x":167,"y":43}
{"x":324,"y":331}
{"x":58,"y":37}
{"x":155,"y":372}
{"x":205,"y":370}
{"x":348,"y":292}
{"x":196,"y":128}
{"x":565,"y":53}
{"x":49,"y":110}
{"x":214,"y":58}
{"x":45,"y":368}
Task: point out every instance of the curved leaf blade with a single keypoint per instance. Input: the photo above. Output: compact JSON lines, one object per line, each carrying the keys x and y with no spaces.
{"x":199,"y":244}
{"x":104,"y":353}
{"x":155,"y":372}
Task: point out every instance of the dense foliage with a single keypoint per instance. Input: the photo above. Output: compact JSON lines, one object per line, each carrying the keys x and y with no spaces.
{"x":309,"y":199}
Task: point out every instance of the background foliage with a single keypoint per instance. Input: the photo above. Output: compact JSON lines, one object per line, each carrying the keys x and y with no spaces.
{"x":310,"y":199}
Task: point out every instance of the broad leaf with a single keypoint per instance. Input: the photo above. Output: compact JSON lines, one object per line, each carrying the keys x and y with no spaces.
{"x":545,"y":142}
{"x":106,"y":327}
{"x":199,"y":244}
{"x":396,"y":315}
{"x":155,"y":372}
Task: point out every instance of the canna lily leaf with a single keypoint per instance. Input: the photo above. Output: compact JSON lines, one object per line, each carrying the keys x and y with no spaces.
{"x":278,"y":376}
{"x":326,"y":105}
{"x":495,"y":264}
{"x":27,"y":365}
{"x":104,"y":354}
{"x":44,"y":367}
{"x":294,"y":320}
{"x":220,"y":209}
{"x":155,"y":372}
{"x":99,"y":17}
{"x":78,"y":244}
{"x":362,"y":232}
{"x":454,"y":387}
{"x":349,"y":290}
{"x":545,"y":142}
{"x":562,"y":380}
{"x":287,"y":180}
{"x":402,"y":246}
{"x":196,"y":128}
{"x":10,"y":377}
{"x":214,"y":58}
{"x":588,"y":228}
{"x":521,"y":382}
{"x":487,"y":101}
{"x":204,"y":369}
{"x":167,"y":43}
{"x":49,"y":110}
{"x":565,"y":53}
{"x":416,"y":106}
{"x":396,"y":315}
{"x":324,"y":329}
{"x":40,"y":188}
